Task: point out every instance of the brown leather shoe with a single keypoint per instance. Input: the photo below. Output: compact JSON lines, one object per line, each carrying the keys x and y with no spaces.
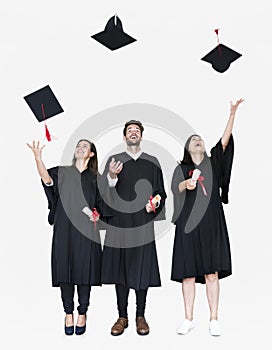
{"x":119,"y":326}
{"x":142,"y":326}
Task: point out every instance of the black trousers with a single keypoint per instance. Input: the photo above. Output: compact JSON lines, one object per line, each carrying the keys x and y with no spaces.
{"x":122,"y":293}
{"x":67,"y":296}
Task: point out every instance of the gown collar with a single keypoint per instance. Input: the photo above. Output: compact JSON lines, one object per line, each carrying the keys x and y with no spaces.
{"x":134,"y":156}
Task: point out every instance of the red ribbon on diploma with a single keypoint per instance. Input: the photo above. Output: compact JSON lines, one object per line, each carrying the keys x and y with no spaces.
{"x":200,"y":180}
{"x":151,"y":203}
{"x":96,"y":216}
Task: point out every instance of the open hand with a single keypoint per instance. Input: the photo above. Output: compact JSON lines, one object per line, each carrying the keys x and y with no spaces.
{"x":233,"y":107}
{"x":115,"y":168}
{"x":36,"y":149}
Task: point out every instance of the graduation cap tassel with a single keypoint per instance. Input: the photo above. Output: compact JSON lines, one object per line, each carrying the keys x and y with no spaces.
{"x":47,"y":133}
{"x":219,"y":48}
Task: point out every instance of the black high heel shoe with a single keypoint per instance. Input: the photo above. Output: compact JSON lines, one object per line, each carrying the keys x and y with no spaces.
{"x":81,"y":329}
{"x":70,"y":329}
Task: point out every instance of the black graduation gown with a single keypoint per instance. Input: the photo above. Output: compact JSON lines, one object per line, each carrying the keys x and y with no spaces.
{"x":206,"y":248}
{"x":76,"y":250}
{"x":129,"y":254}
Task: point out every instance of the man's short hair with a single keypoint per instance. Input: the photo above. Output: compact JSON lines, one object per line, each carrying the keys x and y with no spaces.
{"x":136,"y":122}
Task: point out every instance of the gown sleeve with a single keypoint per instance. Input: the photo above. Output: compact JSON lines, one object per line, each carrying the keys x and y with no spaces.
{"x":223,"y":163}
{"x":52,"y":194}
{"x":158,"y":188}
{"x":104,"y":210}
{"x":106,"y":192}
{"x":178,"y":196}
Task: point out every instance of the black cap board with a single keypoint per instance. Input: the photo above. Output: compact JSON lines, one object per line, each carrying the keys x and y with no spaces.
{"x":113,"y":37}
{"x":43,"y":103}
{"x":221,"y":57}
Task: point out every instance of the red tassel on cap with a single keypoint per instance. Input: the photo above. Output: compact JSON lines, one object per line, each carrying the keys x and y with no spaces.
{"x":219,"y":48}
{"x":47,"y":133}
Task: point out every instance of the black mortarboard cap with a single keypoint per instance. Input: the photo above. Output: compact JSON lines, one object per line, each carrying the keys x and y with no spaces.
{"x":44,"y":105}
{"x":221,"y":57}
{"x":113,"y":37}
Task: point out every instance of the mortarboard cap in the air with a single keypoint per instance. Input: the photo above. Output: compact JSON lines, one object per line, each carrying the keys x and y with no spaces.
{"x":113,"y":37}
{"x":44,"y":105}
{"x":221,"y":57}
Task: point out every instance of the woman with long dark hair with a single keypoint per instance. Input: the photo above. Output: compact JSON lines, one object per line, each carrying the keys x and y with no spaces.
{"x":201,"y":251}
{"x":76,"y":249}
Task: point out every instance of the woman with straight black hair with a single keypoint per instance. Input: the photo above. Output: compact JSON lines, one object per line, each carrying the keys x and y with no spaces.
{"x":201,"y":251}
{"x":76,"y":249}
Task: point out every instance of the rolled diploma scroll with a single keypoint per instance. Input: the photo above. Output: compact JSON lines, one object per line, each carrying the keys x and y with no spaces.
{"x":156,"y":200}
{"x":87,"y":211}
{"x":195,"y":176}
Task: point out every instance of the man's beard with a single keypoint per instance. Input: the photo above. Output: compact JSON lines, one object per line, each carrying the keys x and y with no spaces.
{"x":131,"y":143}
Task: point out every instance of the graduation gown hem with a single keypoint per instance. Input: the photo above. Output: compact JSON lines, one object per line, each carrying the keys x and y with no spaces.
{"x":201,"y":278}
{"x":132,"y":286}
{"x":77,"y":283}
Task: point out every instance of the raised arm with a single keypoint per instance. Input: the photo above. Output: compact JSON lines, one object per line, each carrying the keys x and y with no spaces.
{"x":228,"y":130}
{"x":37,"y":151}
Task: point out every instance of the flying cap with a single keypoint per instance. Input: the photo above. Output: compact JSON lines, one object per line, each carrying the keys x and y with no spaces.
{"x":221,"y":57}
{"x":44,"y":105}
{"x":113,"y":37}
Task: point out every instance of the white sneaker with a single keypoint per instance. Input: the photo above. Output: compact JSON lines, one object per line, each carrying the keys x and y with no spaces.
{"x":215,"y":328}
{"x":185,"y":327}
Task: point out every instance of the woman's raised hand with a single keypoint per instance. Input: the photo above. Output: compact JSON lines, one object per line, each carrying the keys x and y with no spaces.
{"x":36,"y":149}
{"x":233,"y":107}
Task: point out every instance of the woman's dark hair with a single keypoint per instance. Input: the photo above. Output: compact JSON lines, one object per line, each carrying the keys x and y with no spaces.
{"x":136,"y":122}
{"x":93,"y":162}
{"x":187,"y":159}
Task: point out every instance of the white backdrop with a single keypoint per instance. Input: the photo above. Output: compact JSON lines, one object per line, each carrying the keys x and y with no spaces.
{"x":49,"y":43}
